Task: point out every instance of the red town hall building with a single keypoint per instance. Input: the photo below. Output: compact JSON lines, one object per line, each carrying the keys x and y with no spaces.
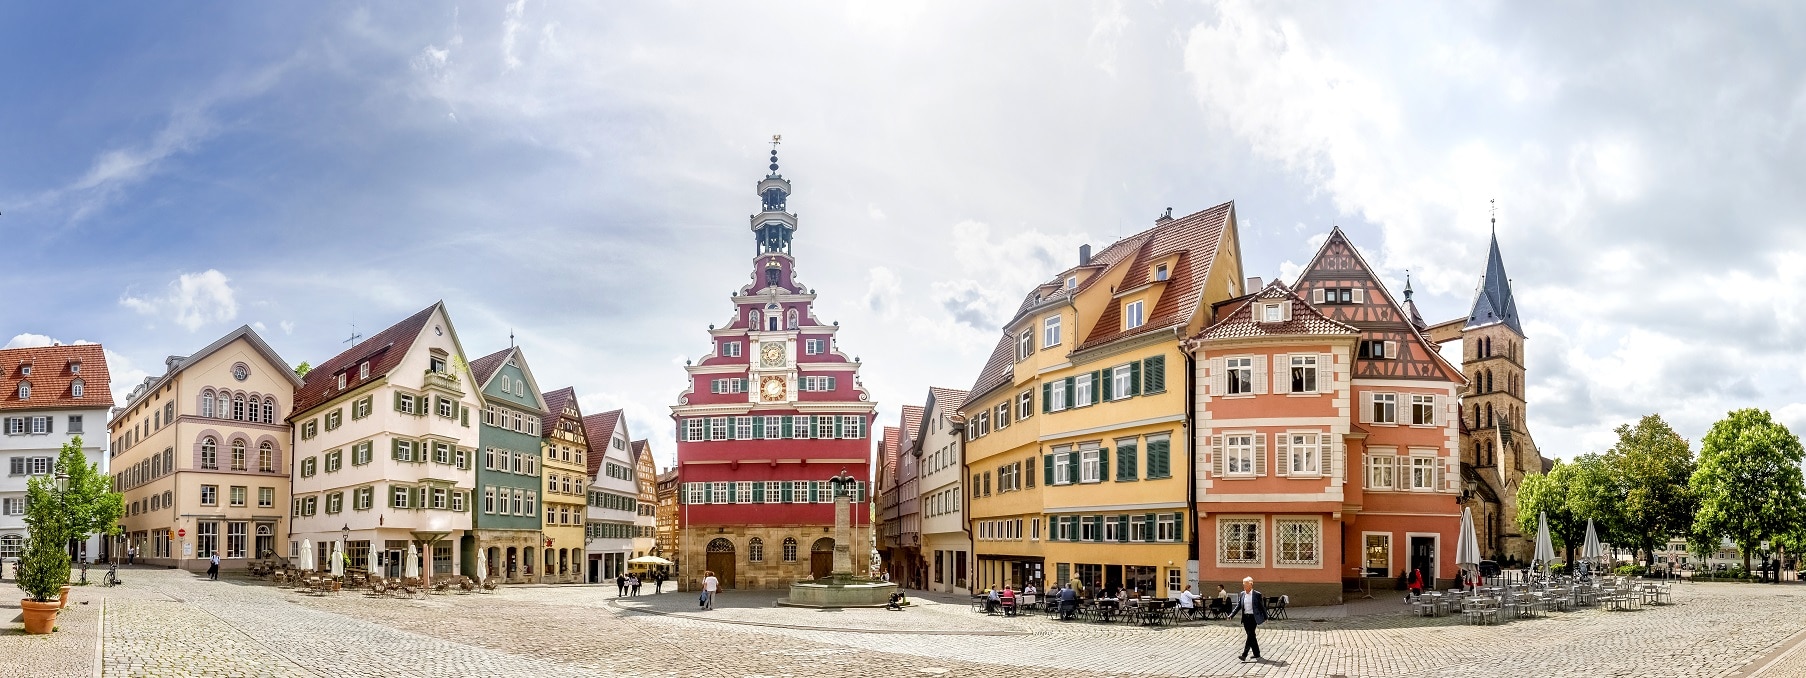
{"x":770,"y":414}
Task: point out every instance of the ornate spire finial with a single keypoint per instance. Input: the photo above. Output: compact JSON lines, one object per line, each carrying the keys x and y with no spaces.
{"x":775,"y":140}
{"x":1495,"y":215}
{"x":1407,"y":284}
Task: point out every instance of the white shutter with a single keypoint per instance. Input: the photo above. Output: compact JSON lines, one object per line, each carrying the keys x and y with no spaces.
{"x":1327,"y":455}
{"x":1392,"y":349}
{"x":1438,"y":410}
{"x":1401,"y":479}
{"x":1216,"y":456}
{"x":1366,"y":407}
{"x":1259,"y":368}
{"x":1282,"y":443}
{"x":1260,"y":454}
{"x":1441,"y":485}
{"x":1219,"y":385}
{"x":1339,"y":455}
{"x":1360,"y":295}
{"x":1285,"y":312}
{"x":1326,"y":372}
{"x":1282,"y":374}
{"x":1317,"y":296}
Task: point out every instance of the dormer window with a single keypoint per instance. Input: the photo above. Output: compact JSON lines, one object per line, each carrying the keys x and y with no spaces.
{"x":75,"y":368}
{"x":341,"y":381}
{"x":1072,"y":282}
{"x":1132,"y":316}
{"x":76,"y":389}
{"x":24,"y":390}
{"x":363,"y":370}
{"x":1160,"y":272}
{"x":25,"y":369}
{"x":1276,"y":312}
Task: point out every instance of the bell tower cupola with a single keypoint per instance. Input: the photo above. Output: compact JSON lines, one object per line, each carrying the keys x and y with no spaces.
{"x":773,"y":227}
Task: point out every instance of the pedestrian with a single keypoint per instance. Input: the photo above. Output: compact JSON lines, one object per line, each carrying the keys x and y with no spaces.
{"x":633,"y":583}
{"x":658,"y":581}
{"x":1007,"y":600}
{"x":213,"y":567}
{"x":710,"y":585}
{"x":621,"y":585}
{"x":1416,"y":582}
{"x":1253,"y":610}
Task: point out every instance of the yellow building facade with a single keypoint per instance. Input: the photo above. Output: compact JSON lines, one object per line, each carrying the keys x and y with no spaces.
{"x":1077,"y":445}
{"x":565,"y":479}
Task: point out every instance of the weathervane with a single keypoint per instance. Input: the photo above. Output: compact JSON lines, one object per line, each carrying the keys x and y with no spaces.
{"x":1495,"y":214}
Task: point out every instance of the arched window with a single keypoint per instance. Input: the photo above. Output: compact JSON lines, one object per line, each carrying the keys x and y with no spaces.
{"x":238,"y":408}
{"x":755,"y":550}
{"x":1488,"y":415}
{"x":791,"y":319}
{"x":1489,"y":381}
{"x":207,"y":403}
{"x":238,"y":455}
{"x":269,"y":410}
{"x":76,"y":388}
{"x":24,"y":390}
{"x":1476,"y":415}
{"x":209,"y":453}
{"x":790,"y":549}
{"x":721,"y":545}
{"x":266,"y":457}
{"x":822,"y":545}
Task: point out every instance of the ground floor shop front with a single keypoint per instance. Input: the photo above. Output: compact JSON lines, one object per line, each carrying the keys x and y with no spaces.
{"x":384,"y":551}
{"x":1323,"y":558}
{"x":234,"y":540}
{"x":949,"y":562}
{"x":765,"y":556}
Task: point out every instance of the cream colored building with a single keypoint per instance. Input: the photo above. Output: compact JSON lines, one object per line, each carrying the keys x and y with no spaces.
{"x":566,"y":487}
{"x":946,"y":544}
{"x":202,"y":456}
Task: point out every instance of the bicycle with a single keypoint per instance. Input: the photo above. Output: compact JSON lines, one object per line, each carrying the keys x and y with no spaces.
{"x":112,"y":578}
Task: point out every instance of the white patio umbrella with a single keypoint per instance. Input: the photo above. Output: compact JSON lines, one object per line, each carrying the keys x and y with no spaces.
{"x":307,"y":554}
{"x":338,"y":560}
{"x":412,"y":569}
{"x":648,"y":560}
{"x":482,"y":565}
{"x":1467,"y":544}
{"x":1591,"y":549}
{"x":370,"y":560}
{"x":1545,"y":549}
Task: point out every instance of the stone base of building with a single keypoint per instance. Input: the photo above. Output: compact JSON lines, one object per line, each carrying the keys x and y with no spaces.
{"x":512,"y":556}
{"x":730,"y":552}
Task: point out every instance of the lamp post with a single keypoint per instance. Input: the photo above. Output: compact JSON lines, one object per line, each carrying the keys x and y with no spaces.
{"x":62,"y":502}
{"x":345,"y":545}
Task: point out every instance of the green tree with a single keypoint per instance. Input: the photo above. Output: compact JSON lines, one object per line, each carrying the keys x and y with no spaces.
{"x":44,"y":569}
{"x":91,"y":505}
{"x":1571,"y":494}
{"x":1748,"y":482}
{"x":302,"y":369}
{"x":1548,"y":494}
{"x":1595,"y":493}
{"x":1652,"y":466}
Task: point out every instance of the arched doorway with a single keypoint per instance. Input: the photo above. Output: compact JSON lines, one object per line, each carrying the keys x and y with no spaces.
{"x":512,"y":567}
{"x":821,"y":558}
{"x":721,"y":561}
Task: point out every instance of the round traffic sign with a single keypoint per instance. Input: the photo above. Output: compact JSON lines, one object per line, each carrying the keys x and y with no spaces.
{"x":182,"y":533}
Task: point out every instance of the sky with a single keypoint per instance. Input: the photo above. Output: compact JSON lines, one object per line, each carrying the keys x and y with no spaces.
{"x":580,"y":174}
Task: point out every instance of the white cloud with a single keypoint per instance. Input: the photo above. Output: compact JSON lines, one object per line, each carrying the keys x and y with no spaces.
{"x":30,"y":341}
{"x":874,"y":213}
{"x":126,"y":375}
{"x":193,"y":300}
{"x":287,"y":327}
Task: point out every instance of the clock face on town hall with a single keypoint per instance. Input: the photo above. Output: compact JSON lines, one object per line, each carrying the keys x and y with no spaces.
{"x":771,"y":355}
{"x":772,"y":388}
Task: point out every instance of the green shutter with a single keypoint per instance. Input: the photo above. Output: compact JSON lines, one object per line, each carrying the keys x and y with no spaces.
{"x":1122,"y":528}
{"x":1127,"y":461}
{"x":787,"y":491}
{"x":464,"y":416}
{"x":1156,"y":374}
{"x":1097,"y":387}
{"x":831,"y":382}
{"x":1108,"y":385}
{"x":1179,"y":526}
{"x":395,"y":449}
{"x":1072,"y":467}
{"x":1047,"y":470}
{"x":758,"y":428}
{"x":1153,"y":527}
{"x":758,"y":495}
{"x":1159,"y":459}
{"x":708,"y":493}
{"x":789,"y":426}
{"x":398,"y":395}
{"x":1071,"y":391}
{"x":840,"y":428}
{"x":1135,"y":378}
{"x":1046,"y":395}
{"x":1103,"y":464}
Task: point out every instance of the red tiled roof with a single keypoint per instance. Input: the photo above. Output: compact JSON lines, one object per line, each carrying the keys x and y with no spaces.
{"x":999,"y":368}
{"x":555,"y":404}
{"x":891,"y":439}
{"x":912,"y":423}
{"x":482,"y":369}
{"x":599,"y":429}
{"x":1241,"y":323}
{"x":384,"y":351}
{"x":947,"y":398}
{"x":52,"y":382}
{"x":639,"y":448}
{"x":1194,"y":238}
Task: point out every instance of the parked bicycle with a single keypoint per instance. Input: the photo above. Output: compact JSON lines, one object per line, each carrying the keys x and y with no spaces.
{"x":112,"y":578}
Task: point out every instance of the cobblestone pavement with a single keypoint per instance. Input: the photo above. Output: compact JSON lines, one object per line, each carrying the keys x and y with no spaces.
{"x":168,"y":623}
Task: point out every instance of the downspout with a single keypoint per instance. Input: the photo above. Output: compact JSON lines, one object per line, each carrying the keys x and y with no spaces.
{"x":966,"y":512}
{"x":1191,"y":485}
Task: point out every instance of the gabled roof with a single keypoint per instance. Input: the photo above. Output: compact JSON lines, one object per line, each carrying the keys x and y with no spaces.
{"x":999,"y":369}
{"x":639,"y":448}
{"x":492,"y":365}
{"x":1306,"y":321}
{"x":176,"y":365}
{"x":1337,"y":237}
{"x":1194,"y":238}
{"x":912,"y":420}
{"x":890,"y":446}
{"x":385,"y":351}
{"x":52,"y":382}
{"x":1493,"y":302}
{"x":483,"y":369}
{"x":555,"y":404}
{"x":599,"y":429}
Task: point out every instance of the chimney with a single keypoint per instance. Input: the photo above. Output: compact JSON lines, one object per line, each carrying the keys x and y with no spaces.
{"x":1084,"y":254}
{"x":1168,"y":216}
{"x":1254,"y":285}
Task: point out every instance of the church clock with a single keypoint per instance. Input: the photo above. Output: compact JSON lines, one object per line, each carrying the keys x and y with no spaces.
{"x":771,"y":355}
{"x":772,"y":389}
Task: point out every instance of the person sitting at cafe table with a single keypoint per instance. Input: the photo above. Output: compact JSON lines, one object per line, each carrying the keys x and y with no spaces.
{"x":1187,"y":601}
{"x":1028,"y":593}
{"x":1007,"y":598}
{"x":1069,"y":602}
{"x":992,"y":600}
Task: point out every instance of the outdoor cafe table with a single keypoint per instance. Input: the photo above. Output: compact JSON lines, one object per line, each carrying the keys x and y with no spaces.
{"x":1105,"y":608}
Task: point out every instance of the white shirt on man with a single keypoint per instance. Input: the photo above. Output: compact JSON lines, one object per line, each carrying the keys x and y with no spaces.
{"x":1247,"y":602}
{"x":710,"y":584}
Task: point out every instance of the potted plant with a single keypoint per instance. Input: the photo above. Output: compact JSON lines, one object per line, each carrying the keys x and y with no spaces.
{"x":44,"y":570}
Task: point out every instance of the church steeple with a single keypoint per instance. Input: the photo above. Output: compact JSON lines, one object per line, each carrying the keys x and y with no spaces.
{"x":1493,"y":302}
{"x":773,"y":230}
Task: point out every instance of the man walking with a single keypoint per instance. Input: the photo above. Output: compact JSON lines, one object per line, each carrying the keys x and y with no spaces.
{"x":1253,"y":610}
{"x":213,"y":567}
{"x":621,"y":585}
{"x":658,"y":582}
{"x":709,"y":586}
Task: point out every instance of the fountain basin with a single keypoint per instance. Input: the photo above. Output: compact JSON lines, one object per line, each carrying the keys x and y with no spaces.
{"x":840,"y":591}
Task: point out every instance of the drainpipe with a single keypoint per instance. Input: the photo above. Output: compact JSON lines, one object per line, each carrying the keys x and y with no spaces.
{"x":959,"y":442}
{"x":1191,"y":446}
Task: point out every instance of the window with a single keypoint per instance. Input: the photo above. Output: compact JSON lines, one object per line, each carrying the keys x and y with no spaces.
{"x":266,"y":497}
{"x":1380,"y":468}
{"x":1025,"y":404}
{"x":1299,"y":541}
{"x":1072,"y":282}
{"x":1050,"y":331}
{"x":448,"y":408}
{"x":360,"y":453}
{"x":209,"y":453}
{"x":1423,"y":473}
{"x":1003,"y":414}
{"x":1240,"y":375}
{"x":1385,"y":408}
{"x":210,"y":495}
{"x":1168,"y":527}
{"x":361,"y":407}
{"x":335,"y":502}
{"x":334,"y":419}
{"x":730,"y":349}
{"x":1238,"y":454}
{"x":1062,"y":467}
{"x":308,"y":466}
{"x":1303,"y":454}
{"x":75,"y":389}
{"x":1122,"y":382}
{"x":755,"y":550}
{"x":237,"y":495}
{"x":25,"y":387}
{"x":207,"y":537}
{"x":1238,"y":541}
{"x":310,"y":429}
{"x":1159,"y":275}
{"x":1113,"y":529}
{"x":266,"y":458}
{"x":398,"y":496}
{"x":813,"y":346}
{"x":1090,"y":466}
{"x":207,"y":404}
{"x":1082,"y":390}
{"x":1131,"y":315}
{"x":1423,"y":410}
{"x":1054,"y":394}
{"x":1025,"y":345}
{"x":1378,"y":350}
{"x":1304,"y":373}
{"x":404,"y":403}
{"x":335,"y":460}
{"x":790,"y":549}
{"x":238,"y":455}
{"x":1160,"y":463}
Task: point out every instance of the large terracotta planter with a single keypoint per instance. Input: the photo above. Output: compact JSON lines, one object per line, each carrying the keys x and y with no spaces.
{"x":62,"y":598}
{"x":39,"y":617}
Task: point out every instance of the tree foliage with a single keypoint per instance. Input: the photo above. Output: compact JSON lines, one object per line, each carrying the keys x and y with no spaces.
{"x":93,"y":507}
{"x":1748,"y":483}
{"x":44,"y":568}
{"x":302,"y":369}
{"x":1571,"y":494}
{"x":1652,"y":466}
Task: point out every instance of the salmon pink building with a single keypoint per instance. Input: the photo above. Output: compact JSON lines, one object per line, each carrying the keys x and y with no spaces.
{"x":770,"y":415}
{"x":1327,"y":436}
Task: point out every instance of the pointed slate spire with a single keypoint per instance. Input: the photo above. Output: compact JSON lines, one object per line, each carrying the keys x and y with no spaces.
{"x":1493,"y":302}
{"x":1411,"y":306}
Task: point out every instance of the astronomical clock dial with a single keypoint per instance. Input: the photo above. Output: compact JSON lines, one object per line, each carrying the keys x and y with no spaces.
{"x":772,"y":388}
{"x":771,"y":355}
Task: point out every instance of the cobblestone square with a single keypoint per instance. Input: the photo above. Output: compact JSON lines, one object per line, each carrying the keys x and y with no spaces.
{"x":167,"y":623}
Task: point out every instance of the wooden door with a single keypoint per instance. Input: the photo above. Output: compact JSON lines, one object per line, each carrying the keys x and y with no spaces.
{"x":722,"y":564}
{"x":821,"y":564}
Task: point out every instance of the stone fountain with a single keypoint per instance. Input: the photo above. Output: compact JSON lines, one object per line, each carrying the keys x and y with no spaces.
{"x":841,"y":588}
